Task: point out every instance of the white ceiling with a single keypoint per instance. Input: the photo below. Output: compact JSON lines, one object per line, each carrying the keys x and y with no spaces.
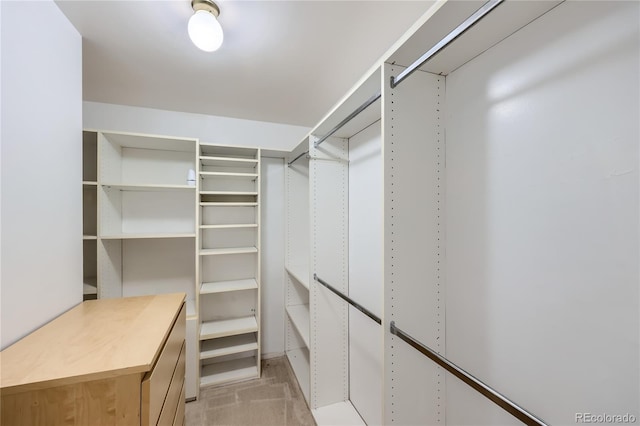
{"x":281,"y":61}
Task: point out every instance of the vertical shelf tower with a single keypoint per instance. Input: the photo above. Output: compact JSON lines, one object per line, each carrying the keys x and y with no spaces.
{"x":89,"y":215}
{"x":298,"y":275}
{"x":228,"y":295}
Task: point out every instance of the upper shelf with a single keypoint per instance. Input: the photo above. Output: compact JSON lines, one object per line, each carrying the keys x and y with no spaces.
{"x":250,"y":176}
{"x":149,"y":187}
{"x":443,"y":17}
{"x":151,"y":142}
{"x":227,"y":161}
{"x":300,"y":273}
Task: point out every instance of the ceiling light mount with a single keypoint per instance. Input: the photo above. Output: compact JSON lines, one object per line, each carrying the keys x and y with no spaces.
{"x":207,"y":5}
{"x":204,"y":29}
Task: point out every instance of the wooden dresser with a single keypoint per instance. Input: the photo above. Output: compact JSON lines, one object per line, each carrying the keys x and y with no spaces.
{"x":104,"y":362}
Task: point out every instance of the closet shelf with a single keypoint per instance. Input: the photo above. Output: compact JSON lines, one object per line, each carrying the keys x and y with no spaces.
{"x":90,"y":286}
{"x":228,"y":193}
{"x":89,"y":237}
{"x":229,"y":327}
{"x":227,"y":161}
{"x":300,"y":273}
{"x":229,"y":371}
{"x":224,"y":286}
{"x":146,"y":236}
{"x":89,"y":183}
{"x":250,"y":176}
{"x":299,"y":361}
{"x":149,"y":187}
{"x":299,"y":316}
{"x":233,"y":250}
{"x":230,"y":204}
{"x":230,"y":226}
{"x":340,"y":413}
{"x":228,"y":346}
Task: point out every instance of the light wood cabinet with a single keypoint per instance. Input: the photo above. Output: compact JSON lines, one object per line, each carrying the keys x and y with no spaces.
{"x":110,"y":362}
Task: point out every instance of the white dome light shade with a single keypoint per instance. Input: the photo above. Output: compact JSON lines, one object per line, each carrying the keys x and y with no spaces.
{"x":205,"y":31}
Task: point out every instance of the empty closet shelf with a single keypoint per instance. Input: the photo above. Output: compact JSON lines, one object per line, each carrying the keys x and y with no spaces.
{"x":224,"y":286}
{"x":229,"y":327}
{"x":252,"y":193}
{"x":249,"y":176}
{"x":221,"y":251}
{"x":299,"y":316}
{"x":145,"y":235}
{"x":227,"y":161}
{"x":229,"y":371}
{"x":227,"y":204}
{"x":230,"y":226}
{"x":228,"y":346}
{"x":299,"y":361}
{"x":300,"y":273}
{"x":149,"y":187}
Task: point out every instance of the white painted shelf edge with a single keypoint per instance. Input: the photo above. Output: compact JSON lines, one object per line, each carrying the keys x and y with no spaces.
{"x":229,"y":159}
{"x":229,"y":327}
{"x":223,"y":204}
{"x":230,"y":226}
{"x":299,"y":361}
{"x":144,"y":236}
{"x":89,"y":237}
{"x":300,"y":273}
{"x":229,"y":371}
{"x":339,"y":414}
{"x":221,"y":251}
{"x":228,"y":346}
{"x":251,"y":176}
{"x":89,"y":183}
{"x":228,"y":193}
{"x":149,"y":187}
{"x":299,"y":315}
{"x":224,"y":286}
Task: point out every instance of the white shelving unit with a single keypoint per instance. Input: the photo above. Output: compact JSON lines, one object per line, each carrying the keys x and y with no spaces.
{"x":515,"y":135}
{"x":228,"y":264}
{"x":89,"y":215}
{"x":147,"y":216}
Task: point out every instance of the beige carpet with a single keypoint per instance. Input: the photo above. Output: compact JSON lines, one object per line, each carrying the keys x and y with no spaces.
{"x":273,"y":400}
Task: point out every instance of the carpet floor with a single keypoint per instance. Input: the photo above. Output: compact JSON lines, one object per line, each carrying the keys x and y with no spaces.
{"x":273,"y":400}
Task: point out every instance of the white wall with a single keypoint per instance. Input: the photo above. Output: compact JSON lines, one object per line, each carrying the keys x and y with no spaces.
{"x":211,"y":129}
{"x":41,"y":166}
{"x":543,"y":217}
{"x":272,"y":245}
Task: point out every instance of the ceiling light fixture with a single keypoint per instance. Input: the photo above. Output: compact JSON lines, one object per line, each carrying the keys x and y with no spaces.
{"x":204,"y":29}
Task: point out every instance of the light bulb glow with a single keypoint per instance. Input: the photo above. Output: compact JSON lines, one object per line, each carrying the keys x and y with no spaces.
{"x":205,"y":31}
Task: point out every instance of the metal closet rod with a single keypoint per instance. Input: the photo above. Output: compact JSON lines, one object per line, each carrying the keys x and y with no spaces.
{"x":349,"y":118}
{"x":294,"y":160}
{"x":447,"y":40}
{"x":496,"y":397}
{"x":348,"y":299}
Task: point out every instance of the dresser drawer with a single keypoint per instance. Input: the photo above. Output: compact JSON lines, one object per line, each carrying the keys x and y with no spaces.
{"x":156,"y":383}
{"x":173,"y":400}
{"x":179,"y":419}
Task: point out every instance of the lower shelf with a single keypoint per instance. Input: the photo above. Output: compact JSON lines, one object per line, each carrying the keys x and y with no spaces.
{"x":228,"y":346}
{"x":342,"y":413}
{"x":299,"y":361}
{"x":229,"y":371}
